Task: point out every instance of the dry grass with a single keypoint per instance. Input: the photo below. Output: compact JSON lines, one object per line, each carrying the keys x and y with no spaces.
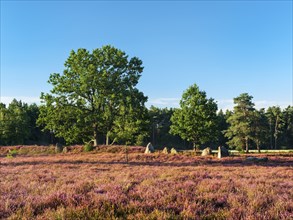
{"x":103,"y":186}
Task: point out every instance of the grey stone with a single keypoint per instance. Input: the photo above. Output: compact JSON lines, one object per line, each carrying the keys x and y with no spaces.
{"x":65,"y":150}
{"x":149,"y":149}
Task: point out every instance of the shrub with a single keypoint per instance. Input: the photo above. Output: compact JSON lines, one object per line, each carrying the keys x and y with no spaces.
{"x":240,"y":149}
{"x":11,"y":153}
{"x":88,"y":147}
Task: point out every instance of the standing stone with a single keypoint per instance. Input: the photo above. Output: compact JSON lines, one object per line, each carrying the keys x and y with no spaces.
{"x":58,"y":148}
{"x":174,"y":151}
{"x":149,"y":149}
{"x":165,"y":150}
{"x":207,"y":151}
{"x":65,"y":150}
{"x":222,"y":152}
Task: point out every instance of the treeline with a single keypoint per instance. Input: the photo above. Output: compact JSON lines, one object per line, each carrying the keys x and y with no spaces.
{"x":273,"y":128}
{"x":95,"y":101}
{"x":242,"y":128}
{"x":18,"y":124}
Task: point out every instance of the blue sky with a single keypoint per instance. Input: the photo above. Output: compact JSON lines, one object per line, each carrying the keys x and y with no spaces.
{"x":225,"y":47}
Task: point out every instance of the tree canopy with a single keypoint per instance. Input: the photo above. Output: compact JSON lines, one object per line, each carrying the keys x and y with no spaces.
{"x":91,"y":96}
{"x":196,"y":119}
{"x":18,"y":123}
{"x":241,"y":129}
{"x":95,"y":99}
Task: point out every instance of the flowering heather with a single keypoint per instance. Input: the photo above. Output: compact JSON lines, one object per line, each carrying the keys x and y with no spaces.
{"x":101,"y":185}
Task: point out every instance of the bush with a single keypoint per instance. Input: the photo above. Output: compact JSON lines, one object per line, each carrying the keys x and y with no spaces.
{"x":240,"y":149}
{"x":11,"y":153}
{"x":88,"y":148}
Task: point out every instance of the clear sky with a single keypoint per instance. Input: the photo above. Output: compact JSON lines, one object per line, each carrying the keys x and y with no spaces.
{"x":225,"y":47}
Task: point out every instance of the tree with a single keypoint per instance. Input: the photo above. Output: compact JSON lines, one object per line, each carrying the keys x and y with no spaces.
{"x":86,"y":99}
{"x":223,"y":126}
{"x":274,"y":115}
{"x":260,"y":128}
{"x":36,"y":136}
{"x":3,"y":124}
{"x":132,"y":121}
{"x":240,"y":129}
{"x":14,"y":123}
{"x":287,"y":127}
{"x":196,"y":119}
{"x":160,"y":126}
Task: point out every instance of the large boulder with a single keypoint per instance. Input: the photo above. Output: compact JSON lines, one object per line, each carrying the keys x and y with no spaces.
{"x":207,"y":151}
{"x":149,"y":149}
{"x":222,"y":152}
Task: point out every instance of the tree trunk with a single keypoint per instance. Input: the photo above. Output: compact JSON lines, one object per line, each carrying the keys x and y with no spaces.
{"x":276,"y":140}
{"x":195,"y":146}
{"x":154,"y":130}
{"x":271,"y":135}
{"x":107,"y":139}
{"x":95,"y":135}
{"x":246,"y":145}
{"x":258,"y":146}
{"x":276,"y":132}
{"x":113,"y":141}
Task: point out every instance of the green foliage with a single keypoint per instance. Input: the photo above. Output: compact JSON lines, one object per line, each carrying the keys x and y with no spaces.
{"x":160,"y":126}
{"x":222,"y":126}
{"x":275,"y":118}
{"x":12,"y":153}
{"x":241,"y":129}
{"x":196,"y":119}
{"x":93,"y":96}
{"x":287,"y":131}
{"x":131,"y":124}
{"x":259,"y":128}
{"x":18,"y":123}
{"x":14,"y":123}
{"x":88,"y":147}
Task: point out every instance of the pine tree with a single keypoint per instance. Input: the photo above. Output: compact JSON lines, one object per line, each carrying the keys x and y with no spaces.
{"x":240,"y":130}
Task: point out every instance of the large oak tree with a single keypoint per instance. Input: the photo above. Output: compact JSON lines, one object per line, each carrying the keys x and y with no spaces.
{"x":88,"y":99}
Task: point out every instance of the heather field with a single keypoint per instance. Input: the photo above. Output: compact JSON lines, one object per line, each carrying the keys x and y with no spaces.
{"x":101,"y":185}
